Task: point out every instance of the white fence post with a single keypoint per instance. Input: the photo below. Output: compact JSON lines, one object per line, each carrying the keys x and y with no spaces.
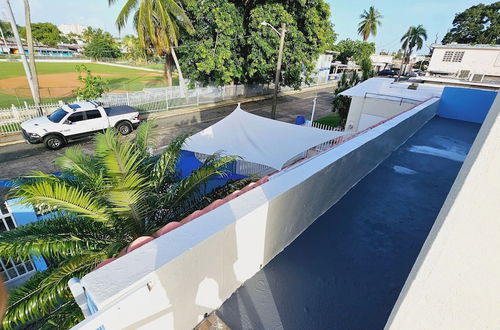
{"x":197,"y":95}
{"x":166,"y":96}
{"x":15,"y":113}
{"x":128,"y":100}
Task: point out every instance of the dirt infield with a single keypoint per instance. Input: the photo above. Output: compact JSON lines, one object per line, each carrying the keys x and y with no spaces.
{"x":60,"y":84}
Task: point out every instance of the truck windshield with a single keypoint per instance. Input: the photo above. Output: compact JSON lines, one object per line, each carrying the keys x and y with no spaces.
{"x":57,"y":115}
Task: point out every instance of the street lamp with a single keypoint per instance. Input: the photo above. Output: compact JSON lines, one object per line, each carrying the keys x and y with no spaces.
{"x":278,"y":64}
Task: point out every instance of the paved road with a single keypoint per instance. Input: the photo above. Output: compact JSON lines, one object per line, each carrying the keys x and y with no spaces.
{"x":20,"y":159}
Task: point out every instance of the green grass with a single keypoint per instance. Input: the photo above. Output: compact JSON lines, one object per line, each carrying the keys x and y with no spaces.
{"x":121,"y":79}
{"x":331,"y":120}
{"x":15,"y":69}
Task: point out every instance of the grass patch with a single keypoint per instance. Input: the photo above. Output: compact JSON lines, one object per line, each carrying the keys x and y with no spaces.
{"x":330,"y":120}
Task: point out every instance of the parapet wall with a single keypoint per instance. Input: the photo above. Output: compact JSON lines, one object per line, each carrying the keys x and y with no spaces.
{"x":174,"y":280}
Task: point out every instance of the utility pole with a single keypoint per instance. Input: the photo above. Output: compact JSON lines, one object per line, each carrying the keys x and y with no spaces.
{"x":278,"y":70}
{"x":31,"y":54}
{"x":20,"y":48}
{"x":3,"y":37}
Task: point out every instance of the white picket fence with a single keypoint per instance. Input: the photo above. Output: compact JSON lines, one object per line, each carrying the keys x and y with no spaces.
{"x":148,"y":100}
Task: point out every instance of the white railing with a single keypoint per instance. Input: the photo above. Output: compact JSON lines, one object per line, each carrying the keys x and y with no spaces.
{"x":147,"y":101}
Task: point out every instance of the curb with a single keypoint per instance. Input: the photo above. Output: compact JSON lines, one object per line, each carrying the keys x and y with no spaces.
{"x":201,"y":108}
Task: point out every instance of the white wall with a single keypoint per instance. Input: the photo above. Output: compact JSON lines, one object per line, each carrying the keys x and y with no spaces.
{"x":374,"y":107}
{"x":172,"y":281}
{"x":455,"y":282}
{"x":480,"y":61}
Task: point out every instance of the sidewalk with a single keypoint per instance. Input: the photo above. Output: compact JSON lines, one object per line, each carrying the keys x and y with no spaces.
{"x":197,"y":111}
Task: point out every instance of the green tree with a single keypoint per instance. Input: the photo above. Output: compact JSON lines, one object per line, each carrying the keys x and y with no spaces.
{"x":212,"y":54}
{"x":370,"y":21}
{"x":366,"y":68}
{"x":342,"y":103}
{"x":158,"y":24}
{"x":413,"y":38}
{"x":100,"y":44}
{"x":355,"y":50}
{"x":103,"y":202}
{"x":44,"y":33}
{"x":93,"y":86}
{"x":479,"y":24}
{"x":309,"y":33}
{"x":133,"y":49}
{"x":7,"y":31}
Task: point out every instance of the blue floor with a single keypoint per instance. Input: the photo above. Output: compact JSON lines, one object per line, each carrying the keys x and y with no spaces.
{"x":348,"y":268}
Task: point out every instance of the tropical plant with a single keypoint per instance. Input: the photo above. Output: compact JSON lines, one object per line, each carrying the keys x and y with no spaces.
{"x":355,"y":50}
{"x":341,"y":103}
{"x":99,"y":204}
{"x":370,"y":21}
{"x":133,"y":49}
{"x":414,"y":37}
{"x":478,"y":24}
{"x":44,"y":33}
{"x":93,"y":86}
{"x":100,"y":44}
{"x":158,"y":24}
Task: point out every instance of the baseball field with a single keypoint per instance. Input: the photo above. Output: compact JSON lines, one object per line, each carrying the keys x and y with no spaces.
{"x":58,"y":80}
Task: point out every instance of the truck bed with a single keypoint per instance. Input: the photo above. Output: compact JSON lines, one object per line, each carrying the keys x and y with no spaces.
{"x":119,"y":110}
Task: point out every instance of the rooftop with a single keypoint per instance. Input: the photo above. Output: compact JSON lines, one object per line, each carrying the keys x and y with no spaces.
{"x":466,"y":46}
{"x":347,"y":269}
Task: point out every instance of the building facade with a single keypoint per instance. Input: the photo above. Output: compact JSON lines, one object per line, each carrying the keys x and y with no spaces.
{"x":475,"y":63}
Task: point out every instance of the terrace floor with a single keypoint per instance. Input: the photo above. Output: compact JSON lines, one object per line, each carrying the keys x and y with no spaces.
{"x":348,"y":268}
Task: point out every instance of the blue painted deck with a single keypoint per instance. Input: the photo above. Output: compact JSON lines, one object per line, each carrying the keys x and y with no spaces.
{"x":348,"y":268}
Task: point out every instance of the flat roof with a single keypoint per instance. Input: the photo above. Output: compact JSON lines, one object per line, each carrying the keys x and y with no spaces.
{"x":387,"y":87}
{"x":469,"y":46}
{"x":347,"y":269}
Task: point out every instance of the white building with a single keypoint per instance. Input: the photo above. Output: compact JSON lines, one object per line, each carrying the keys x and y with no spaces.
{"x":474,"y":63}
{"x":381,"y":62}
{"x":72,"y":28}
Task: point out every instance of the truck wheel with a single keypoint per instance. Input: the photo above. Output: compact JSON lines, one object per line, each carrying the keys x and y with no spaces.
{"x":53,"y":142}
{"x":124,"y":128}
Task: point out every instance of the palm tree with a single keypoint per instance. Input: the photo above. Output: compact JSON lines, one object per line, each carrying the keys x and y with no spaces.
{"x":158,"y":24}
{"x":370,"y":22}
{"x":414,"y":37}
{"x":99,"y":205}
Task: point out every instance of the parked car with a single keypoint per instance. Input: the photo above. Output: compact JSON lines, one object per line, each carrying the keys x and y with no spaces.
{"x":387,"y":73}
{"x":77,"y":120}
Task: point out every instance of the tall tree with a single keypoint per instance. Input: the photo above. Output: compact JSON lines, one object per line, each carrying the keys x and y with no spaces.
{"x":103,"y":202}
{"x":44,"y":33}
{"x":414,"y":37}
{"x":213,"y":53}
{"x":478,"y":24}
{"x":158,"y":24}
{"x":100,"y":44}
{"x":309,"y":33}
{"x":370,"y":21}
{"x":355,"y":50}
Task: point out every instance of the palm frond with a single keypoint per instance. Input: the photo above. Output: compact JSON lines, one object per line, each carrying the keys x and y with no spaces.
{"x":165,"y":168}
{"x":62,"y":197}
{"x":60,"y":236}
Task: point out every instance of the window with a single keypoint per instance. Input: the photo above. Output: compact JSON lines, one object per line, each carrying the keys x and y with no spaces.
{"x":57,"y":115}
{"x":457,"y":57}
{"x":447,"y":56}
{"x":93,"y":114}
{"x":76,"y":117}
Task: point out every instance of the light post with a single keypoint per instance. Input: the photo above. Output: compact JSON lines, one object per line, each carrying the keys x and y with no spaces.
{"x":278,"y":64}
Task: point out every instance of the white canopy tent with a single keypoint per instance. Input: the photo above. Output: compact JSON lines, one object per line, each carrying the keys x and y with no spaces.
{"x":257,"y":139}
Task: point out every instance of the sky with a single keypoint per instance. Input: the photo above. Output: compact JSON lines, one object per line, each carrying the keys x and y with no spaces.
{"x":435,"y":15}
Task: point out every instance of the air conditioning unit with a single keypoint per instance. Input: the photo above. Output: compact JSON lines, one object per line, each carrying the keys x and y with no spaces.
{"x":463,"y":74}
{"x":477,"y":77}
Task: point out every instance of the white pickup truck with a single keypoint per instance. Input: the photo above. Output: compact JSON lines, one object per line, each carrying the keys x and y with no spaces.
{"x":77,"y":120}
